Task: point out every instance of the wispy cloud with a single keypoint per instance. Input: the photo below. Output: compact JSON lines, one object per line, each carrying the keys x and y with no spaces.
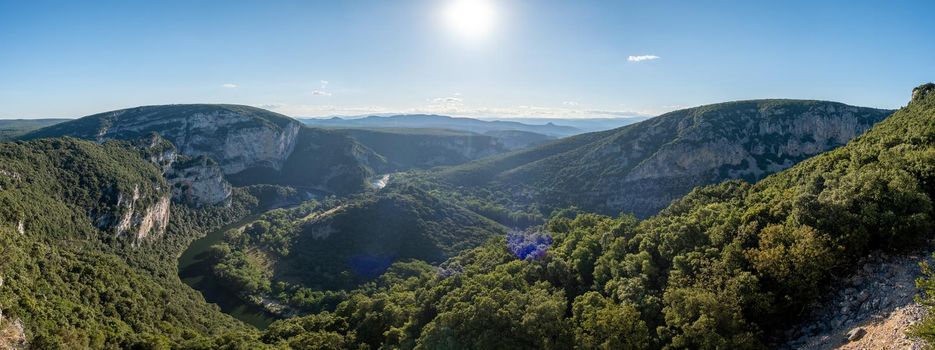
{"x":324,"y":83}
{"x":229,"y":86}
{"x":449,"y":99}
{"x":321,"y":93}
{"x":571,"y":103}
{"x":642,"y":58}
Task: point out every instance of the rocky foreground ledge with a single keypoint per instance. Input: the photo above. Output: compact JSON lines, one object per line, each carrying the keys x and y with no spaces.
{"x":873,"y":308}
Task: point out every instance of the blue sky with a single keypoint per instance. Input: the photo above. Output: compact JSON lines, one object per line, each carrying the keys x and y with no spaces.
{"x":542,"y":58}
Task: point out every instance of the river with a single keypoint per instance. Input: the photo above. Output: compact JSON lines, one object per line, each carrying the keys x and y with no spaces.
{"x":195,"y":271}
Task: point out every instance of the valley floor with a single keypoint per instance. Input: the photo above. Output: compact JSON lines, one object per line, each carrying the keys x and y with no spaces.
{"x":874,"y":307}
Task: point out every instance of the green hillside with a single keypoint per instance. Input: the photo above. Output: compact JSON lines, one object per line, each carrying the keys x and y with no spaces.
{"x":641,"y":168}
{"x":336,"y":245}
{"x":322,"y":160}
{"x":722,"y":268}
{"x":70,"y":275}
{"x":425,"y":148}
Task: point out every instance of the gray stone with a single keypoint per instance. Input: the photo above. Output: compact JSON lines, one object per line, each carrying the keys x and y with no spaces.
{"x":855,"y":334}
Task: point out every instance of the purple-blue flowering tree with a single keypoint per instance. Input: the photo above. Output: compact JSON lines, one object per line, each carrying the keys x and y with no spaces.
{"x":528,"y":245}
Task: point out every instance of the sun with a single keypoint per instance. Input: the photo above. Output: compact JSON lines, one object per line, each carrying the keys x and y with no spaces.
{"x":470,"y":19}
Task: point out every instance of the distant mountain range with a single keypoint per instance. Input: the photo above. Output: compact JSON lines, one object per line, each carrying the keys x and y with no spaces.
{"x":12,"y":128}
{"x":583,"y":124}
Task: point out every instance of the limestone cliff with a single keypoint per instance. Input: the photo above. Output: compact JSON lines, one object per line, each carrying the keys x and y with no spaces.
{"x":198,"y":181}
{"x":717,"y":145}
{"x":194,"y":181}
{"x":140,"y":217}
{"x":237,"y":137}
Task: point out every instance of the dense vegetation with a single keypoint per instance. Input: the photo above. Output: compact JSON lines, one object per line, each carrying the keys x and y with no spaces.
{"x":306,"y":256}
{"x":68,"y":278}
{"x":323,"y":160}
{"x":641,"y":168}
{"x":719,"y":268}
{"x":424,"y":148}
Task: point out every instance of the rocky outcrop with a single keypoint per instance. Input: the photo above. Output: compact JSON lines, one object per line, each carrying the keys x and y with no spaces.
{"x":921,"y":91}
{"x":197,"y":182}
{"x":12,"y":332}
{"x":237,"y":137}
{"x":141,"y":217}
{"x":757,"y":143}
{"x":872,"y":308}
{"x":194,"y":181}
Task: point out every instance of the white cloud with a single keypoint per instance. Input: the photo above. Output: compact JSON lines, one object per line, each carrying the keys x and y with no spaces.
{"x":571,"y":103}
{"x":450,"y":99}
{"x":324,"y":83}
{"x":270,"y":106}
{"x":229,"y":86}
{"x":641,"y":58}
{"x":321,"y":93}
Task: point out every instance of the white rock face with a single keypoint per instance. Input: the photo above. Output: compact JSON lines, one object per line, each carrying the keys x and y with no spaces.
{"x":155,"y":219}
{"x":198,"y":182}
{"x":234,"y":137}
{"x":805,"y":135}
{"x":240,"y":148}
{"x":143,"y":222}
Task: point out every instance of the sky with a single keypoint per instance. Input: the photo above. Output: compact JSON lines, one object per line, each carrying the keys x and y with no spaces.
{"x":481,"y":58}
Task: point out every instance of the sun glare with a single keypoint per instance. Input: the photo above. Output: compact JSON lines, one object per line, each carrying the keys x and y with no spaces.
{"x":470,"y":19}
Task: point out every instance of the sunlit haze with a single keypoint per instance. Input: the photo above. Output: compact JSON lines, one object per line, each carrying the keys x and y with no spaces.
{"x":481,"y":58}
{"x":470,"y":19}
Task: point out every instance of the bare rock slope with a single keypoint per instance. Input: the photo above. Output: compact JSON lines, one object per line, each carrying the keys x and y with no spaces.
{"x":873,"y":308}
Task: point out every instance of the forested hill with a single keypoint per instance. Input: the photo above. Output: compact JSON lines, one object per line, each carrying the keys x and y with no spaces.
{"x":413,"y":148}
{"x":641,"y":168}
{"x":299,"y":256}
{"x":87,"y":250}
{"x":724,"y":267}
